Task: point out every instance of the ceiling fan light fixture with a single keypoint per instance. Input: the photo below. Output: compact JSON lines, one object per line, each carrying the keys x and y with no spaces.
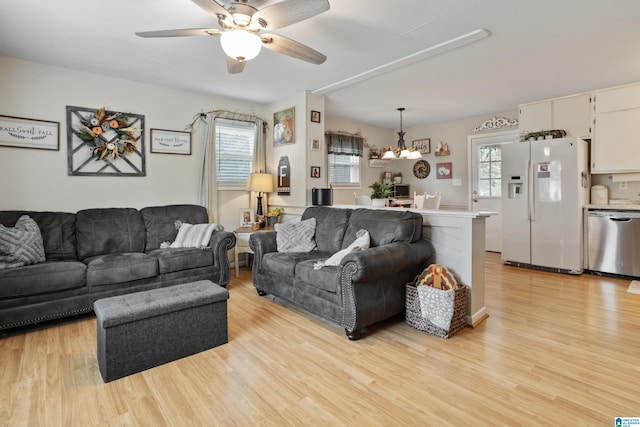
{"x":240,"y":44}
{"x":241,"y":19}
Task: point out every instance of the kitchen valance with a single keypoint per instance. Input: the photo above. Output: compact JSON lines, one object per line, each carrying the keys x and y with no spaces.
{"x":345,"y":143}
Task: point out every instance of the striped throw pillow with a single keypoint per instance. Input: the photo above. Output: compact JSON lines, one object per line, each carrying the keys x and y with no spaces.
{"x":195,"y":235}
{"x":22,"y":244}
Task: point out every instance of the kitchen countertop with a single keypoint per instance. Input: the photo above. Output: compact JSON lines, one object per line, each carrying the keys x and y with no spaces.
{"x":615,"y":207}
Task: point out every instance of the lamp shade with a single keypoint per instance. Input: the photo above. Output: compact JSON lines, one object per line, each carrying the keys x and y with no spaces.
{"x":260,"y":182}
{"x":240,"y":45}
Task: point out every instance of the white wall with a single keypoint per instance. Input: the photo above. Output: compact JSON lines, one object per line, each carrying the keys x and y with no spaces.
{"x":455,"y":134}
{"x":33,"y":179}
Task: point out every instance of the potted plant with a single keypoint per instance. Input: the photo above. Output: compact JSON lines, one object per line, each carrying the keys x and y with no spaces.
{"x":381,"y":191}
{"x":273,"y":216}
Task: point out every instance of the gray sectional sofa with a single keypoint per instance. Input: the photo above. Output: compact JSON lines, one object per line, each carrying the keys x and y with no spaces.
{"x":366,"y":287}
{"x":98,"y":253}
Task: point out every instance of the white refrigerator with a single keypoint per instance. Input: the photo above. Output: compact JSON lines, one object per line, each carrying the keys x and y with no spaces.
{"x":545,"y":184}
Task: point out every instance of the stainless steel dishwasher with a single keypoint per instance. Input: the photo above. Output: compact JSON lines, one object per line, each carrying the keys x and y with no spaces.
{"x":613,"y":242}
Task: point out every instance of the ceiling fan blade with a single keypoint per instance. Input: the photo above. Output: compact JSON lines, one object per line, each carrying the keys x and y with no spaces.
{"x":213,"y":7}
{"x":289,"y":12}
{"x":186,"y":32}
{"x":292,"y":48}
{"x":255,"y":3}
{"x":234,"y":66}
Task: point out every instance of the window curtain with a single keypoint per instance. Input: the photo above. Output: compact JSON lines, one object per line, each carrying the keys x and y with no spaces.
{"x":208,"y":191}
{"x":259,"y":160}
{"x":208,"y":187}
{"x":345,"y":143}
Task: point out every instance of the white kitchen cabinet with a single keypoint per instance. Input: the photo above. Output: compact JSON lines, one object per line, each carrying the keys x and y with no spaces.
{"x":536,"y":116}
{"x":616,"y":141}
{"x":570,"y":113}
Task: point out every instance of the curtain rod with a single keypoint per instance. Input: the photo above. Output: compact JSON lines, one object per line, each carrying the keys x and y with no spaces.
{"x":350,"y":134}
{"x":231,"y":115}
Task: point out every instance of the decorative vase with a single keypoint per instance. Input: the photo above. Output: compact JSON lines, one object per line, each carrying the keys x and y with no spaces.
{"x":378,"y":203}
{"x":271,"y":221}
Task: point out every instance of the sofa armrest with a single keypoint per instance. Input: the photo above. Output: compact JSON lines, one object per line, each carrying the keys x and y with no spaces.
{"x":373,"y":282}
{"x":389,"y":259}
{"x":221,"y":242}
{"x":262,"y":243}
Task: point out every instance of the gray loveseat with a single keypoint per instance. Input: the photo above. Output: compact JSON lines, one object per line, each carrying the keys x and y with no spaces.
{"x":98,"y":253}
{"x":367,"y":287}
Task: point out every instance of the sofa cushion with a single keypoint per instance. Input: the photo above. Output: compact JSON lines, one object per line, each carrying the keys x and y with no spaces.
{"x":384,"y":226}
{"x":285,"y":263}
{"x":159,"y":222}
{"x":118,"y":268}
{"x":108,"y":231}
{"x":195,"y":235}
{"x":58,"y":230}
{"x":21,"y":245}
{"x":331,"y":224}
{"x":296,"y":237}
{"x":326,"y":278}
{"x":51,"y":276}
{"x":178,"y":259}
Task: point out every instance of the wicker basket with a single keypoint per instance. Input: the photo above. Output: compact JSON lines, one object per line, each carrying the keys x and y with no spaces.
{"x":414,"y":314}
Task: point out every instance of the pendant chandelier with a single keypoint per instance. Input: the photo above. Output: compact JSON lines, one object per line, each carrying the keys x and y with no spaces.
{"x":401,"y":151}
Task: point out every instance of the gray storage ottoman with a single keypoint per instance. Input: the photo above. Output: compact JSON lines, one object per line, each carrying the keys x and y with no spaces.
{"x":145,"y":329}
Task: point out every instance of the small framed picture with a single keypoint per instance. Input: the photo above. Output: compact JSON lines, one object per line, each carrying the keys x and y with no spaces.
{"x":422,"y":145}
{"x":315,"y":172}
{"x":444,"y":170}
{"x":170,"y":141}
{"x":315,"y":116}
{"x":315,"y":145}
{"x":246,"y":217}
{"x":387,"y":177}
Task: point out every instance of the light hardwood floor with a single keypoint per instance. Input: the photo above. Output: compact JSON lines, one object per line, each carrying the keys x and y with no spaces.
{"x":556,"y":350}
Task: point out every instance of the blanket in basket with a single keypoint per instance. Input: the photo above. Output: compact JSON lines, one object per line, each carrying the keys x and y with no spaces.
{"x":437,"y":305}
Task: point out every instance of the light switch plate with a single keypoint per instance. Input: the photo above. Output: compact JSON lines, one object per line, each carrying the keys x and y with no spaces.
{"x":456,"y":182}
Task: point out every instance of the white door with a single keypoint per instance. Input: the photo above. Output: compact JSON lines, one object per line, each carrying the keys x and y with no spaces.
{"x":485,"y":181}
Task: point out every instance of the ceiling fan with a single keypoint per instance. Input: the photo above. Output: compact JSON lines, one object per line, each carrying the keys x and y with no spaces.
{"x":241,"y":23}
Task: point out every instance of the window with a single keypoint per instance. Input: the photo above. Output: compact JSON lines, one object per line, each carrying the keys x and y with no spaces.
{"x":489,"y":170}
{"x":234,"y":152}
{"x":344,"y":170}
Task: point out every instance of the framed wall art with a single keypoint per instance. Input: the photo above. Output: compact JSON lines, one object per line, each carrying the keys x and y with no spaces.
{"x":444,"y":170}
{"x":422,"y":145}
{"x":315,"y":145}
{"x":315,"y":116}
{"x":284,"y":124}
{"x":104,"y":143}
{"x":315,"y":172}
{"x":170,"y":141}
{"x":29,"y":133}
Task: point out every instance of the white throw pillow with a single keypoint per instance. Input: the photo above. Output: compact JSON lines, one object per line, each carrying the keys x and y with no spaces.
{"x":362,"y":242}
{"x":296,"y":237}
{"x":194,"y":235}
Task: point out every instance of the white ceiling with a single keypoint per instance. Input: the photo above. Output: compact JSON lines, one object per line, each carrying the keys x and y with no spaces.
{"x":537,"y":49}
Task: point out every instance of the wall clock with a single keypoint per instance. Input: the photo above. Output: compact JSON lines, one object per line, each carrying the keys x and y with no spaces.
{"x":421,"y":169}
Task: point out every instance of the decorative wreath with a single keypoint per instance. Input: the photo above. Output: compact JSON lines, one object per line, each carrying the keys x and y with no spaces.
{"x":110,"y":136}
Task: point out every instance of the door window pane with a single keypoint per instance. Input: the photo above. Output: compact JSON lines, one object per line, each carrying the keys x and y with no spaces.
{"x":489,"y":170}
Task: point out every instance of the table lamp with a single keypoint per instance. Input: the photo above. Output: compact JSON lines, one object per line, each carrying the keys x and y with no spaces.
{"x":262,"y":183}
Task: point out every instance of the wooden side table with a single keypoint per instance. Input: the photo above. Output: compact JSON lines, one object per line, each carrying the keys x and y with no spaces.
{"x":242,"y":243}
